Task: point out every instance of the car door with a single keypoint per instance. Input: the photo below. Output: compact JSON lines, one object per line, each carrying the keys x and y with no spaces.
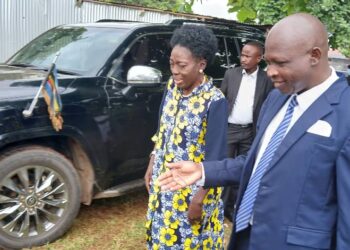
{"x":134,"y":117}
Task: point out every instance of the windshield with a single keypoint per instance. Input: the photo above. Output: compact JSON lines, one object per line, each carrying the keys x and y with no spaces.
{"x":83,"y":50}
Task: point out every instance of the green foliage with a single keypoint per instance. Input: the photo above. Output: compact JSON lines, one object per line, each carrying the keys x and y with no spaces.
{"x":334,"y":13}
{"x":186,"y":6}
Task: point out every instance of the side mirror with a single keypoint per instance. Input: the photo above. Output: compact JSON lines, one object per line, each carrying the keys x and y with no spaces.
{"x":144,"y":76}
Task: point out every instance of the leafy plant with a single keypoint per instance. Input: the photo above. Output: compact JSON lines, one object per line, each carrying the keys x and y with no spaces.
{"x":334,"y":13}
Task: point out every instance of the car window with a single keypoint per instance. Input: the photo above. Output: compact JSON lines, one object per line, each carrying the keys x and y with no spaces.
{"x":150,"y":50}
{"x":218,"y":67}
{"x":234,"y":47}
{"x":82,"y":50}
{"x":339,"y":64}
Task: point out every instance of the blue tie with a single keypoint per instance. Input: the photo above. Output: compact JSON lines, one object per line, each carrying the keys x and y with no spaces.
{"x":246,"y":208}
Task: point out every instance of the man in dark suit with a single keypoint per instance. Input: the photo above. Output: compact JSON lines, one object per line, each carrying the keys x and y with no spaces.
{"x":245,"y":87}
{"x":294,"y":182}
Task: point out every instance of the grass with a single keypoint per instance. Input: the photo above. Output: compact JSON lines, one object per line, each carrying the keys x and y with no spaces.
{"x":109,"y":224}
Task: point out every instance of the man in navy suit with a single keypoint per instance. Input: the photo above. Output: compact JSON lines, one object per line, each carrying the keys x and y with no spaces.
{"x":245,"y":87}
{"x":295,"y":180}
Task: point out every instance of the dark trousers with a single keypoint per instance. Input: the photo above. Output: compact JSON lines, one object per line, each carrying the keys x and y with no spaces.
{"x":241,"y":240}
{"x":239,"y":140}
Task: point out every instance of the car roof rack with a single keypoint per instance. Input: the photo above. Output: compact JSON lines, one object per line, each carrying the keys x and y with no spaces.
{"x":216,"y":22}
{"x":116,"y":21}
{"x":207,"y":21}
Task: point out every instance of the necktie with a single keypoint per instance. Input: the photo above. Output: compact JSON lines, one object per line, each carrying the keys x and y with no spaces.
{"x":245,"y":210}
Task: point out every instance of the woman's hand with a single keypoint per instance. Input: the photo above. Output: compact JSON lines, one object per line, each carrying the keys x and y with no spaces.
{"x":196,"y":206}
{"x":148,"y":174}
{"x":195,"y":211}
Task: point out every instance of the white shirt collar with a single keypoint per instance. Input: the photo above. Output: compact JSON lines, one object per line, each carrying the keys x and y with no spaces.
{"x":306,"y":98}
{"x":254,"y":74}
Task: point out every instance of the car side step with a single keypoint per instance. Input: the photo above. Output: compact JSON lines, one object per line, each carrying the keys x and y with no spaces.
{"x":121,"y":189}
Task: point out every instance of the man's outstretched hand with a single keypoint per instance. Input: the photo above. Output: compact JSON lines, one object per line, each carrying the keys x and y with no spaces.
{"x":180,"y":175}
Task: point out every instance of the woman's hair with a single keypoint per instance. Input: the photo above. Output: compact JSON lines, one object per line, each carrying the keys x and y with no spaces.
{"x":200,"y":40}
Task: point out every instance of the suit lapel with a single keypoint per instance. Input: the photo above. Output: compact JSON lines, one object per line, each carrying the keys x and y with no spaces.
{"x":266,"y":119}
{"x":314,"y":113}
{"x":319,"y":109}
{"x":269,"y":115}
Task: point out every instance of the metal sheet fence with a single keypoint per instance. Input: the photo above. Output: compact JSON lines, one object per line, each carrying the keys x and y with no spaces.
{"x":23,"y":20}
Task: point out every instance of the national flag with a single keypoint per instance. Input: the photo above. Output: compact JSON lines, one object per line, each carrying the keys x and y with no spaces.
{"x":52,"y":98}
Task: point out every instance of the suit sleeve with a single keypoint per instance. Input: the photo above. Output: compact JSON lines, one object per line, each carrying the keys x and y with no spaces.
{"x":343,"y":196}
{"x":215,"y":138}
{"x":223,"y":173}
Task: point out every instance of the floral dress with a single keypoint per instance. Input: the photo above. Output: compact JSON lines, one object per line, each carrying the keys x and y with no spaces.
{"x":191,"y":128}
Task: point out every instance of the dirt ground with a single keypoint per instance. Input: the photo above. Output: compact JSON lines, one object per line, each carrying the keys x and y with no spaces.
{"x":108,"y":224}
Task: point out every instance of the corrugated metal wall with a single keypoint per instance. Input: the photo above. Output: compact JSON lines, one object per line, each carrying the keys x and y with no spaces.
{"x":23,"y":20}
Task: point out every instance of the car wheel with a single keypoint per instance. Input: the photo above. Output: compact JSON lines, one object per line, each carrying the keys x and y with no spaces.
{"x":39,"y":196}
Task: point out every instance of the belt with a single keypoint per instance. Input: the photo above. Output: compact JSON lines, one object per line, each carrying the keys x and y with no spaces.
{"x":249,"y":125}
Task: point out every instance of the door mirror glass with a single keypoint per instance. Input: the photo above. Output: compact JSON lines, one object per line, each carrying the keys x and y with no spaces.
{"x":144,"y":76}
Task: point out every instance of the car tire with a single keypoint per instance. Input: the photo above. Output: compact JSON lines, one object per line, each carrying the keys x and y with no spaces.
{"x":39,"y":196}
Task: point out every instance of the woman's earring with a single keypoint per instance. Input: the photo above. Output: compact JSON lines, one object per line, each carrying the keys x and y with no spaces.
{"x":201,"y":71}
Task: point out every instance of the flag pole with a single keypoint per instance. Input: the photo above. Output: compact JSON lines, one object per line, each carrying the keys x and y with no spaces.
{"x":28,"y":112}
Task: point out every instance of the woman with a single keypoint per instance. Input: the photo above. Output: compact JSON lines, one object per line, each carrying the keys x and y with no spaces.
{"x":192,"y":127}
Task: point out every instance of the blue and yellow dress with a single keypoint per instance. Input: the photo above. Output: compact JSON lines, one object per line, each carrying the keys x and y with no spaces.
{"x":191,"y":128}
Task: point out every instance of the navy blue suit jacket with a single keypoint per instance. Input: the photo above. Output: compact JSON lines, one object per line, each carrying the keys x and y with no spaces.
{"x":304,"y":197}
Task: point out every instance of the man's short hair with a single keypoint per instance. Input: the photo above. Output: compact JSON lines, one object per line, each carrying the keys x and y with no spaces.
{"x":258,"y":45}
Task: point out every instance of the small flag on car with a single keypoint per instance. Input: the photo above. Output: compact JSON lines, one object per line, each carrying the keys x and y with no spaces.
{"x":49,"y":89}
{"x":52,"y":98}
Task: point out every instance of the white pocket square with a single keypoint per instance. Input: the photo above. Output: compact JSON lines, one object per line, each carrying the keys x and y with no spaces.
{"x":321,"y":128}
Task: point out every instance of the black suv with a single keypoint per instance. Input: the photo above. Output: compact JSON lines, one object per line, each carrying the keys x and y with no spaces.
{"x":111,"y":79}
